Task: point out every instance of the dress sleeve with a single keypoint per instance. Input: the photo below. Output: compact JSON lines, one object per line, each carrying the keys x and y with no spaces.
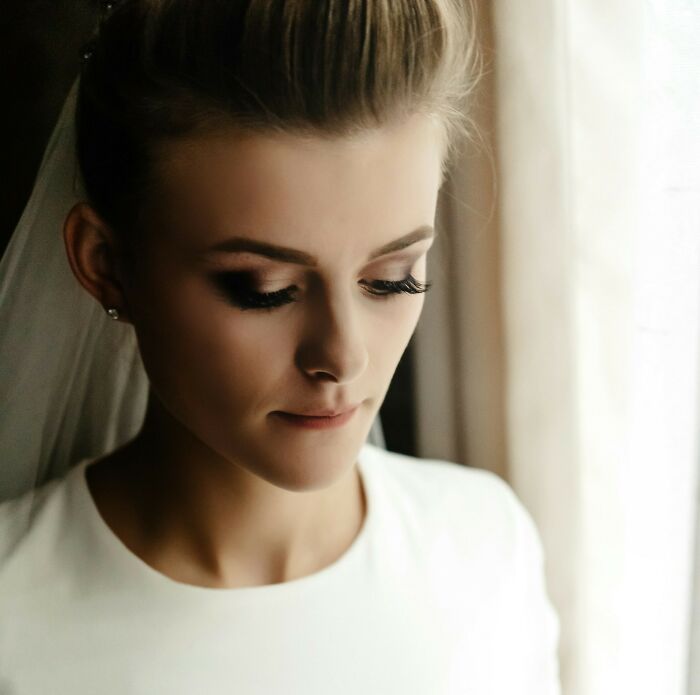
{"x":529,"y":628}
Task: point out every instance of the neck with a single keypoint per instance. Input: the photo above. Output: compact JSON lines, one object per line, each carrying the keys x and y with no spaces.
{"x":206,"y":520}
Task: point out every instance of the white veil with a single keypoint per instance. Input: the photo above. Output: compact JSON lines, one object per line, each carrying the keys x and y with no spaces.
{"x":72,"y":383}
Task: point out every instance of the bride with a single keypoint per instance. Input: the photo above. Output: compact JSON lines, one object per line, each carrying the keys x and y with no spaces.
{"x":258,"y":185}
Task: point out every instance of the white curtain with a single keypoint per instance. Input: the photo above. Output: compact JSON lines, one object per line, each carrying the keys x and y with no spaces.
{"x":594,"y":324}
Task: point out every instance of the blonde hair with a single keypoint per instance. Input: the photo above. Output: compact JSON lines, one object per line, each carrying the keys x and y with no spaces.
{"x":163,"y":69}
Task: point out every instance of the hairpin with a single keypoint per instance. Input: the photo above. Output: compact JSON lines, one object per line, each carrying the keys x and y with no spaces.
{"x":108,"y":5}
{"x":105,"y":9}
{"x":87,"y":50}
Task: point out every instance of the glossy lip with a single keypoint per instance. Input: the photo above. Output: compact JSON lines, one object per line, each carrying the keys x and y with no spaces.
{"x":316,"y":422}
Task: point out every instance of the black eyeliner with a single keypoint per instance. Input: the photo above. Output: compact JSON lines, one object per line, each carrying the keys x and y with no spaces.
{"x":236,"y":288}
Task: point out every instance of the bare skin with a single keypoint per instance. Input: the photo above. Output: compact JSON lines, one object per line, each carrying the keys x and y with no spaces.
{"x":128,"y":489}
{"x":216,"y":489}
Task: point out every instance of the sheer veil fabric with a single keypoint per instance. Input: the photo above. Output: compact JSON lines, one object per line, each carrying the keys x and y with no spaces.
{"x":72,"y":383}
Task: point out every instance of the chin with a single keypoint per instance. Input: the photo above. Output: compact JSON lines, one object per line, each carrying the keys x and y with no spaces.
{"x":309,"y":465}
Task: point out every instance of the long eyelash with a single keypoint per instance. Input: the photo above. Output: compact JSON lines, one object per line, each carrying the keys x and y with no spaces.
{"x":409,"y":285}
{"x":236,"y":288}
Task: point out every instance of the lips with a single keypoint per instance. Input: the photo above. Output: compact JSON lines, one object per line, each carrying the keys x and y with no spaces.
{"x":316,"y":422}
{"x":323,"y":412}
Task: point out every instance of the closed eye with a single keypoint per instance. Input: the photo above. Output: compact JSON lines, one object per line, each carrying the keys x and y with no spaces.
{"x":236,"y":287}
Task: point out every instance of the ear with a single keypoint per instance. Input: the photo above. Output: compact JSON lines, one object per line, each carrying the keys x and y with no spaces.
{"x":93,"y":253}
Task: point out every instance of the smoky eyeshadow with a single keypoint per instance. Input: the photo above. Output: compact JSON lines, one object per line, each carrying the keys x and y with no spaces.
{"x":237,"y":288}
{"x":234,"y":283}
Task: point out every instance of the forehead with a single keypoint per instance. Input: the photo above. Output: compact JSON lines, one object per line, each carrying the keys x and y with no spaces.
{"x":381,"y":181}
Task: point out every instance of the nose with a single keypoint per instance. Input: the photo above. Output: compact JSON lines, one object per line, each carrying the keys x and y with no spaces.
{"x":333,"y":347}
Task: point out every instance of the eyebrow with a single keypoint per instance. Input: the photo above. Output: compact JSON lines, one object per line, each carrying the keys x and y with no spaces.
{"x":287,"y":255}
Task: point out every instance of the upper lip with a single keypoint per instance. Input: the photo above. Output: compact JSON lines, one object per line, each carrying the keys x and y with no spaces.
{"x":325,"y":412}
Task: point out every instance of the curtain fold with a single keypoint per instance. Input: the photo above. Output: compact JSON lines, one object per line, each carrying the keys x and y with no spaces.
{"x":458,"y":367}
{"x":597,"y":236}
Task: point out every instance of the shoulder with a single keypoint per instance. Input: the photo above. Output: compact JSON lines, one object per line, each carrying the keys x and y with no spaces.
{"x":437,"y":474}
{"x":481,"y":540}
{"x":472,"y":489}
{"x":472,"y":503}
{"x":31,"y":524}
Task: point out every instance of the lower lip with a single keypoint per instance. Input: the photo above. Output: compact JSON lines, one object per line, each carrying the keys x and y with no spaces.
{"x":316,"y":423}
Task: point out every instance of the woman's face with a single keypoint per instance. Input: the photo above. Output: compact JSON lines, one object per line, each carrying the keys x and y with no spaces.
{"x":319,"y":213}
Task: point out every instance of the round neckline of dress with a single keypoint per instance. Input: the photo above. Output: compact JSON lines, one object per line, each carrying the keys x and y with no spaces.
{"x":266,"y":591}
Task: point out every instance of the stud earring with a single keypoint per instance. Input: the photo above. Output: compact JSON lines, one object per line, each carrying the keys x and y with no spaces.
{"x":113,"y":313}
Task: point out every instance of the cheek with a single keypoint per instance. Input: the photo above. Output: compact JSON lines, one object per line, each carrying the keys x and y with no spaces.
{"x":203,"y":355}
{"x":390,"y":331}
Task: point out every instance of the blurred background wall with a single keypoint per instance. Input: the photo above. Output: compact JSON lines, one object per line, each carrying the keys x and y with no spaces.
{"x":41,"y":42}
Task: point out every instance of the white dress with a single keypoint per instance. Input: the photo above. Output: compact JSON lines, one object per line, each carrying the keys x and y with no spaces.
{"x":441,"y":593}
